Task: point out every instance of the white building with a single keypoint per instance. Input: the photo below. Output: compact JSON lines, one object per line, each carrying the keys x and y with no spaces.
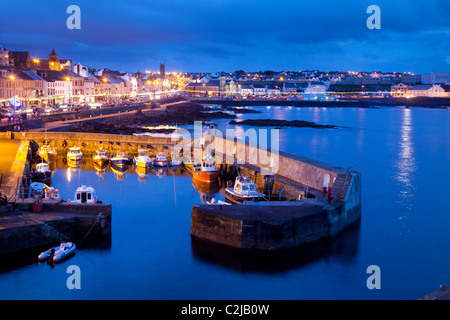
{"x":315,"y":91}
{"x":4,"y":57}
{"x":436,"y":77}
{"x":426,"y":90}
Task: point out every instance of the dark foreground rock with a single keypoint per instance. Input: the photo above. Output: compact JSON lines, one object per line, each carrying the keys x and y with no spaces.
{"x":282,"y":123}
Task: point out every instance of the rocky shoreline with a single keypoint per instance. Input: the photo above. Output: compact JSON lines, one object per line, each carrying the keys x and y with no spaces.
{"x":174,"y":115}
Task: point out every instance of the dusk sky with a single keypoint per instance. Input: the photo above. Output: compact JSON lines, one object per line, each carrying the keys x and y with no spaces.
{"x":217,"y":35}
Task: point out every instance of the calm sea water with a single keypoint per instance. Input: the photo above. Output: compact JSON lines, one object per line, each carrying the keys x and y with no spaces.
{"x":404,"y":157}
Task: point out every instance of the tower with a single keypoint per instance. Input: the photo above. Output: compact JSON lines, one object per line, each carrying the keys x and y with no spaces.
{"x":53,"y":61}
{"x":162,"y":71}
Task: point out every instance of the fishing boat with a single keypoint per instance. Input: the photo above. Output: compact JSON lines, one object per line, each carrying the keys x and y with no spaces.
{"x":41,"y":173}
{"x":161,"y":159}
{"x":39,"y":188}
{"x":120,"y":159}
{"x":100,"y":157}
{"x":58,"y":253}
{"x":74,"y":155}
{"x":205,"y":171}
{"x":244,"y":190}
{"x":143,"y":160}
{"x":175,"y":162}
{"x":47,"y":153}
{"x":85,"y":194}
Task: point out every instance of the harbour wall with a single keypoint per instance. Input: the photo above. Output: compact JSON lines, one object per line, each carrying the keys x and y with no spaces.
{"x":89,"y":142}
{"x":66,"y":221}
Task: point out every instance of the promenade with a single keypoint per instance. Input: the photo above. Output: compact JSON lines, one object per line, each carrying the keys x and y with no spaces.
{"x":9,"y":150}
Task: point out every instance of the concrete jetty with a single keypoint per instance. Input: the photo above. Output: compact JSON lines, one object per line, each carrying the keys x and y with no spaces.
{"x":24,"y":229}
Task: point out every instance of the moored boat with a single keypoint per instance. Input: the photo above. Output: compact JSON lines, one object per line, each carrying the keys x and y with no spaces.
{"x":47,"y":153}
{"x":244,"y":190}
{"x":143,"y":160}
{"x":161,"y":160}
{"x":120,"y":159}
{"x":42,"y":173}
{"x":58,"y":253}
{"x":74,"y":155}
{"x":85,"y":194}
{"x":100,"y":158}
{"x":206,"y":171}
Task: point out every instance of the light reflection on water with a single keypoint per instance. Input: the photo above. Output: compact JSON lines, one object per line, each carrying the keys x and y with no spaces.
{"x":406,"y":166}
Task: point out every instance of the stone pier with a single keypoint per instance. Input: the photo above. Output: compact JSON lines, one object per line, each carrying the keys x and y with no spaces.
{"x":305,"y":215}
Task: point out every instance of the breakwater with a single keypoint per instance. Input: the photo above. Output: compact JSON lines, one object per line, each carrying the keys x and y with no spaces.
{"x":279,"y":225}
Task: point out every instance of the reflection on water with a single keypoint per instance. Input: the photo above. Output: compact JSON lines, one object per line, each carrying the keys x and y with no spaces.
{"x":406,"y":165}
{"x":344,"y":244}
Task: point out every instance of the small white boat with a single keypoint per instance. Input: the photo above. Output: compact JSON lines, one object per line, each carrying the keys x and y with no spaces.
{"x":58,"y":253}
{"x":143,"y":160}
{"x":161,"y":159}
{"x":176,"y":161}
{"x":74,"y":155}
{"x":100,"y":157}
{"x":85,"y":194}
{"x":120,"y":159}
{"x":244,"y":190}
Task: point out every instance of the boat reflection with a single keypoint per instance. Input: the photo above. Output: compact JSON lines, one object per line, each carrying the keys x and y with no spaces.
{"x":100,"y":168}
{"x":207,"y":190}
{"x":161,"y":172}
{"x":119,"y":171}
{"x":143,"y":172}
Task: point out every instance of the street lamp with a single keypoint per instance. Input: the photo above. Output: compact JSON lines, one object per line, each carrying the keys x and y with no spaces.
{"x":14,"y":95}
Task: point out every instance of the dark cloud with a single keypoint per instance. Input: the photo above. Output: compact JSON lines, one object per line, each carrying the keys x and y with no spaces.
{"x":211,"y":35}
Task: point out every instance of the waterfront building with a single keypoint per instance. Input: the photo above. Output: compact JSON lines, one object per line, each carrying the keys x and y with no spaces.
{"x":25,"y":85}
{"x":399,"y":90}
{"x":315,"y":91}
{"x":21,"y":59}
{"x":84,"y":70}
{"x":246,"y":90}
{"x":427,"y":90}
{"x":58,"y":88}
{"x":436,"y":77}
{"x":289,"y":87}
{"x":5,"y":59}
{"x":273,"y":90}
{"x":201,"y":89}
{"x":259,"y":89}
{"x":162,"y":71}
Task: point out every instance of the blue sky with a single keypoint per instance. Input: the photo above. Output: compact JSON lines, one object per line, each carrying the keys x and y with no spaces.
{"x":252,"y":35}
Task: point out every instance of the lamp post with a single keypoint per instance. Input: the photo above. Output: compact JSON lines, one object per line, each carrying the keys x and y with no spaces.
{"x":68,"y":92}
{"x":14,"y":95}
